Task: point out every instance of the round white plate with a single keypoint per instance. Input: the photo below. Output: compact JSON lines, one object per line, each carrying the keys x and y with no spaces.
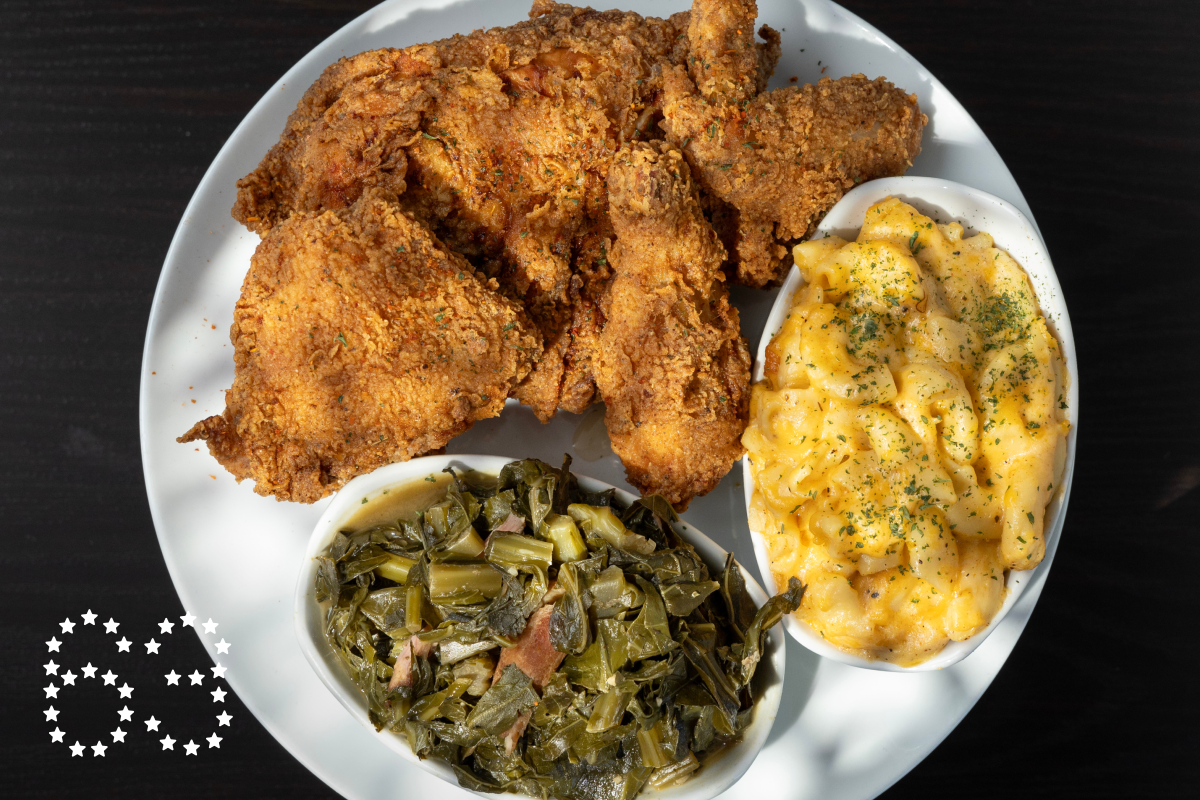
{"x":841,"y":732}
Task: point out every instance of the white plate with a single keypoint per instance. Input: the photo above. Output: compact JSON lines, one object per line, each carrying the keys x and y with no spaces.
{"x":712,"y":779}
{"x":945,"y":201}
{"x":841,"y":732}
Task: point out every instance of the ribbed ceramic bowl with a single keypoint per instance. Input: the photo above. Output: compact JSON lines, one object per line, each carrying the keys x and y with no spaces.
{"x":944,"y":201}
{"x":712,"y":779}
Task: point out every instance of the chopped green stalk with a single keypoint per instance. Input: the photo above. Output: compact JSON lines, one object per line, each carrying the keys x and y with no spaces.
{"x":453,"y":652}
{"x":608,"y":587}
{"x":463,"y":584}
{"x":436,"y":635}
{"x":515,"y":551}
{"x":468,"y":544}
{"x":395,"y":568}
{"x":477,"y":669}
{"x":568,"y":544}
{"x":607,"y":711}
{"x":438,"y":516}
{"x":601,"y":521}
{"x":413,"y":600}
{"x":675,"y":773}
{"x":429,"y":707}
{"x":654,"y":752}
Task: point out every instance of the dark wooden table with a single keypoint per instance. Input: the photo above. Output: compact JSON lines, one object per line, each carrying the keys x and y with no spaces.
{"x":111,"y":111}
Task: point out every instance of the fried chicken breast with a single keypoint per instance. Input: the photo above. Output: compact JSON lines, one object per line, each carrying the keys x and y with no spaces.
{"x":779,"y":159}
{"x":499,"y":140}
{"x":671,"y":364}
{"x":359,"y":339}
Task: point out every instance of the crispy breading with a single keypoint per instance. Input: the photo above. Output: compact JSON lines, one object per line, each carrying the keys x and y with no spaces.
{"x":671,"y":364}
{"x":499,"y":140}
{"x":781,"y":159}
{"x":359,"y":339}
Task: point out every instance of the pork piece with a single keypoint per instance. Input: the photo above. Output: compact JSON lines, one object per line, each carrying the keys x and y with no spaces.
{"x":402,"y":671}
{"x":533,"y":654}
{"x":778,"y":159}
{"x":536,"y":657}
{"x":359,"y":339}
{"x":671,"y":365}
{"x":499,"y":140}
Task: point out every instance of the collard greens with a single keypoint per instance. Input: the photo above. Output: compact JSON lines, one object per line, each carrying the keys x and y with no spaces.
{"x":650,"y":658}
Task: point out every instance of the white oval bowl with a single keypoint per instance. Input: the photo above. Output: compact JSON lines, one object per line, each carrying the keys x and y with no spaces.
{"x":712,"y":779}
{"x":944,"y":201}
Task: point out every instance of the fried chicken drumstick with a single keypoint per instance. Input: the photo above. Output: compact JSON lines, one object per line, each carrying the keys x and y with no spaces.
{"x":671,"y":364}
{"x":359,"y":340}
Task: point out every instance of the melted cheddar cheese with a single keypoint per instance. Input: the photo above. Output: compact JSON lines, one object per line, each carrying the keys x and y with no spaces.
{"x":908,"y":435}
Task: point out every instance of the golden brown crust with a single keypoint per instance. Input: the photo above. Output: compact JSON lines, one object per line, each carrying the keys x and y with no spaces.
{"x":359,"y":340}
{"x":499,"y":140}
{"x":781,"y":159}
{"x":671,"y":365}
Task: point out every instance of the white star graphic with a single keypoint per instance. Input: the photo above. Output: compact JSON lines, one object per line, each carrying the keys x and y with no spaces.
{"x":51,"y":668}
{"x":110,"y":626}
{"x":219,"y":671}
{"x":118,"y":735}
{"x":188,"y":620}
{"x":68,"y":678}
{"x":51,"y":714}
{"x":168,"y":743}
{"x":77,"y":749}
{"x":152,"y":647}
{"x":123,"y":645}
{"x":223,"y":719}
{"x":196,"y":677}
{"x":89,"y":671}
{"x":152,"y":724}
{"x":218,"y":696}
{"x":98,"y":749}
{"x":166,"y":626}
{"x":51,"y":691}
{"x":52,"y":645}
{"x":214,"y":741}
{"x":125,"y":714}
{"x":67,"y":626}
{"x":89,"y":618}
{"x":191,"y":748}
{"x":125,"y":691}
{"x":56,"y":735}
{"x":210,"y":626}
{"x":172,"y":678}
{"x":223,"y":647}
{"x":110,"y":678}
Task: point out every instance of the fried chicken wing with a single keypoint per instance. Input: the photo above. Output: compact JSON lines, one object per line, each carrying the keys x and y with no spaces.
{"x":359,"y":339}
{"x":671,"y":364}
{"x":780,"y":159}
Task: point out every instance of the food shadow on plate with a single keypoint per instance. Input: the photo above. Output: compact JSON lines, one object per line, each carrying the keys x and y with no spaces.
{"x":798,"y":684}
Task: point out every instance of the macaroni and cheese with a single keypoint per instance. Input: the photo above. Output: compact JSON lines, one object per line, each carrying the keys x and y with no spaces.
{"x":908,"y":436}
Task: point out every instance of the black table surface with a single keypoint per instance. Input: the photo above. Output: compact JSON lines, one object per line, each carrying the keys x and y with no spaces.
{"x":110,"y":112}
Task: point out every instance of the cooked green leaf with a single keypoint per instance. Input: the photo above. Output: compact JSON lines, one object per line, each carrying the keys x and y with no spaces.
{"x":500,"y":705}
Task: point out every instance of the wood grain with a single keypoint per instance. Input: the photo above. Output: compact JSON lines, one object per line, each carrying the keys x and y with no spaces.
{"x":110,"y":112}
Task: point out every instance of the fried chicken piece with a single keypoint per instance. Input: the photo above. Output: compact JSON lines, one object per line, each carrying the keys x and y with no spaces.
{"x":359,"y":340}
{"x":499,"y":140}
{"x":671,"y":364}
{"x":780,"y":159}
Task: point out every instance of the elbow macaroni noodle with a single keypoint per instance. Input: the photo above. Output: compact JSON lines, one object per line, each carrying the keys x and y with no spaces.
{"x":908,"y":436}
